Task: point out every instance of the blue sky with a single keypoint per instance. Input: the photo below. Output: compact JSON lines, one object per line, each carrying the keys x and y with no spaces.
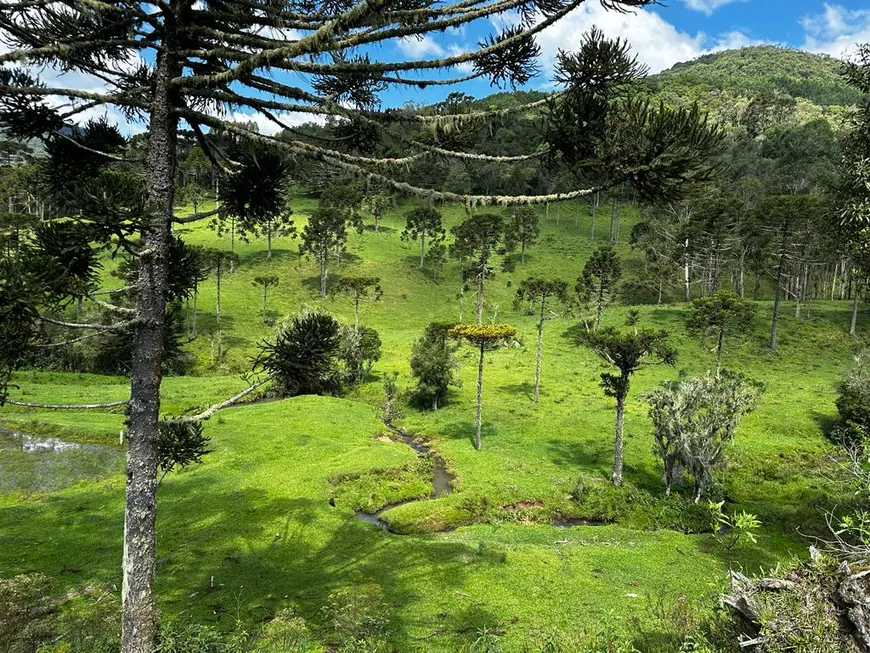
{"x":660,"y":35}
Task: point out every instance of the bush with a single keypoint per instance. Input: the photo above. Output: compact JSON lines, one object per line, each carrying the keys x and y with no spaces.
{"x":358,"y":351}
{"x":853,"y":400}
{"x":303,"y":356}
{"x":434,"y":365}
{"x":358,"y":615}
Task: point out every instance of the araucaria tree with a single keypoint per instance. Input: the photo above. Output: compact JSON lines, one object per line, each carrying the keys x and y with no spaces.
{"x":219,"y":260}
{"x":522,"y":229}
{"x":359,"y":288}
{"x":265,"y":282}
{"x":424,"y":224}
{"x":538,"y":293}
{"x":628,"y":352}
{"x":181,"y":65}
{"x":475,"y":240}
{"x":720,"y":315}
{"x":597,"y":283}
{"x":695,"y":420}
{"x":325,"y":233}
{"x":485,"y":337}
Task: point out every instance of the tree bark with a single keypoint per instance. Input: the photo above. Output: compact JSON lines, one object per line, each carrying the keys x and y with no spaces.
{"x":323,"y":270}
{"x":480,"y":293}
{"x":618,"y":444}
{"x":218,"y":312}
{"x":422,"y":249}
{"x":687,"y":272}
{"x":479,"y":416}
{"x":539,"y":354}
{"x":777,"y":294}
{"x":854,"y":325}
{"x":138,"y":618}
{"x":719,"y":351}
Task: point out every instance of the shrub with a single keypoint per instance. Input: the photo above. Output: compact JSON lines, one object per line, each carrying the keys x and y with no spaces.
{"x":853,"y":400}
{"x":303,"y":356}
{"x":26,"y":611}
{"x":358,"y":615}
{"x":433,"y":364}
{"x":358,"y":351}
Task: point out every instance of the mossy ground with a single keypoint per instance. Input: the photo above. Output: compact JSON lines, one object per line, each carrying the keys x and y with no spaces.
{"x":252,"y":530}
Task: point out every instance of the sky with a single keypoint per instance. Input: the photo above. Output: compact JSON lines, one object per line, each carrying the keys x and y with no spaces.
{"x":661,"y":35}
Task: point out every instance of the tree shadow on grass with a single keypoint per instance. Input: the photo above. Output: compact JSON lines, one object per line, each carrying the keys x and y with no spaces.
{"x":233,"y":553}
{"x":525,"y":388}
{"x":465,"y":430}
{"x":261,"y":257}
{"x":583,"y":456}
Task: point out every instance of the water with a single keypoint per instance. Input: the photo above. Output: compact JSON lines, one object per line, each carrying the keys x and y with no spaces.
{"x":31,"y":463}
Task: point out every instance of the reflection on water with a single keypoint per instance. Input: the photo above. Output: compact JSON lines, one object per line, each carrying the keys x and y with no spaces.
{"x":31,"y":463}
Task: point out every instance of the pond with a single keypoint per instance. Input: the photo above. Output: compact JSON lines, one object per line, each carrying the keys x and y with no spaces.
{"x":32,"y":463}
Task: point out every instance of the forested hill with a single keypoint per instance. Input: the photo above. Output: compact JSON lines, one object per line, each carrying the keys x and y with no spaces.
{"x":758,"y":70}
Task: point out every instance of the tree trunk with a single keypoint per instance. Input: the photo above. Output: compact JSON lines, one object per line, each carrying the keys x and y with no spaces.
{"x":323,"y":271}
{"x":269,"y":241}
{"x":687,"y":272}
{"x":539,"y":354}
{"x":618,"y":445}
{"x":741,"y":266}
{"x":265,"y":290}
{"x":594,"y":209}
{"x":757,"y":287}
{"x":854,"y":325}
{"x":232,"y":241}
{"x":218,"y":313}
{"x":138,"y":620}
{"x":719,"y":351}
{"x":776,"y":298}
{"x":480,"y":294}
{"x":478,"y":418}
{"x":599,"y":306}
{"x":194,"y":319}
{"x":422,"y":249}
{"x":461,"y":290}
{"x":377,"y":222}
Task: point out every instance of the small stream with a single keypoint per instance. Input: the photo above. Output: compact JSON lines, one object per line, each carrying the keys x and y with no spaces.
{"x":32,"y":463}
{"x":442,"y":480}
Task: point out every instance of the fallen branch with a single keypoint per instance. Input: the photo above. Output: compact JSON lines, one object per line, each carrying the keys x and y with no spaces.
{"x":226,"y":403}
{"x":27,"y":404}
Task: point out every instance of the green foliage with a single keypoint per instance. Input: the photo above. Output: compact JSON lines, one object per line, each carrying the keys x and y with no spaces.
{"x":181,"y":444}
{"x":720,"y":315}
{"x":695,"y":420}
{"x":358,"y":350}
{"x":522,"y":230}
{"x":483,"y":335}
{"x":434,"y":365}
{"x":732,"y":529}
{"x":302,"y":356}
{"x":425,"y":224}
{"x":358,"y":615}
{"x":853,"y":400}
{"x":597,"y":283}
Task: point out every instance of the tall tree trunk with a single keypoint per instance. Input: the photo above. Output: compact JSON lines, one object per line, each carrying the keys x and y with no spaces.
{"x":594,"y":209}
{"x":194,"y":320}
{"x":599,"y":305}
{"x":479,"y":416}
{"x":377,"y":222}
{"x":323,"y":272}
{"x":776,"y":298}
{"x":138,"y":619}
{"x":618,"y":444}
{"x":422,"y":249}
{"x":854,"y":325}
{"x":480,"y":291}
{"x":539,"y":354}
{"x":687,"y":272}
{"x":269,"y":241}
{"x":220,"y":334}
{"x":741,"y":267}
{"x":719,"y":351}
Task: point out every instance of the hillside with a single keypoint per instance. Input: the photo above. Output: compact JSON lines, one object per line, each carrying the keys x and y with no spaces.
{"x":756,"y":70}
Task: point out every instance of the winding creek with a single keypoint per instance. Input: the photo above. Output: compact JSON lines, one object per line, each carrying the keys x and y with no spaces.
{"x":32,"y":463}
{"x":442,"y":480}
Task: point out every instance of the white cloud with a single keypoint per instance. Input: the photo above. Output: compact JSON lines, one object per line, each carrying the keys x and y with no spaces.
{"x":708,"y":6}
{"x":419,"y":48}
{"x":269,"y":128}
{"x":837,"y":30}
{"x":657,"y":42}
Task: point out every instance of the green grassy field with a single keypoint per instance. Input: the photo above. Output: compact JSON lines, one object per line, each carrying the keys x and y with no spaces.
{"x":252,"y":530}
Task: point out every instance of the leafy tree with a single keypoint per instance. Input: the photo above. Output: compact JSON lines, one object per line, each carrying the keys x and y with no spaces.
{"x":359,"y":288}
{"x":539,"y":291}
{"x":377,"y":204}
{"x":522,"y":229}
{"x":476,"y":240}
{"x":853,"y":401}
{"x":172,"y":86}
{"x":484,"y":337}
{"x":193,"y":194}
{"x":434,"y":364}
{"x":325,"y":232}
{"x":302,"y":359}
{"x":437,"y":257}
{"x":719,"y":315}
{"x":424,"y":223}
{"x":598,"y":281}
{"x":266,"y":282}
{"x":359,"y":348}
{"x":628,"y":352}
{"x":695,"y":419}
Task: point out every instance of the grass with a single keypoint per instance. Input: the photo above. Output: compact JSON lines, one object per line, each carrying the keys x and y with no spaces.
{"x":252,"y":530}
